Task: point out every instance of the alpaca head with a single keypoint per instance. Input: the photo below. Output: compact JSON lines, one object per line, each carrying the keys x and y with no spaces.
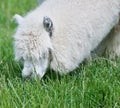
{"x":32,"y":44}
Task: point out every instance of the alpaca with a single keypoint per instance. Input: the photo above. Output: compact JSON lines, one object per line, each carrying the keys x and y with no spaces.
{"x":60,"y":34}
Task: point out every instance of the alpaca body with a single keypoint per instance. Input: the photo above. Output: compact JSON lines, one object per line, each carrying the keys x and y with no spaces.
{"x":78,"y":28}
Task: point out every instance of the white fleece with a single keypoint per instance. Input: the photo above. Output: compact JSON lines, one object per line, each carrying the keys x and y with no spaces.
{"x":78,"y":27}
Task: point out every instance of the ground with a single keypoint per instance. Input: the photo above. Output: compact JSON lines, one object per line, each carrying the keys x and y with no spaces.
{"x":95,"y":84}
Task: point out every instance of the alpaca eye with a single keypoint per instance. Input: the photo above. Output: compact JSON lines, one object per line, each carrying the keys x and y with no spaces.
{"x":48,"y":24}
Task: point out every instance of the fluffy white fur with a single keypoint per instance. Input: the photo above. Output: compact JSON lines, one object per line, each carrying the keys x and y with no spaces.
{"x":78,"y":27}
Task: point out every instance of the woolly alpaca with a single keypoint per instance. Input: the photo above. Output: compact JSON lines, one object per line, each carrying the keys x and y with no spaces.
{"x":62,"y":33}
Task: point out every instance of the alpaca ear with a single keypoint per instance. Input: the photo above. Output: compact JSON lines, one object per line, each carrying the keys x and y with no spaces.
{"x":18,"y":18}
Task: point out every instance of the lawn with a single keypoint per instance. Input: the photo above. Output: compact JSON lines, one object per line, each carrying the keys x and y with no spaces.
{"x":95,"y":84}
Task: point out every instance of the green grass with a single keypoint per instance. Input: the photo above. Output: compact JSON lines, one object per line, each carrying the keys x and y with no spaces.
{"x":93,"y":85}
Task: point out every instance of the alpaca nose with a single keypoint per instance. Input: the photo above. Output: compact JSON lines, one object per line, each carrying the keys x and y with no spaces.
{"x":38,"y":72}
{"x":26,"y":73}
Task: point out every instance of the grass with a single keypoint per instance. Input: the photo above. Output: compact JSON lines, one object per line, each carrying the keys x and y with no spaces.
{"x":93,"y":85}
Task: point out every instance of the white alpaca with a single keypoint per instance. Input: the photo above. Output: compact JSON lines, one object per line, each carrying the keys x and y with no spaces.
{"x":62,"y":33}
